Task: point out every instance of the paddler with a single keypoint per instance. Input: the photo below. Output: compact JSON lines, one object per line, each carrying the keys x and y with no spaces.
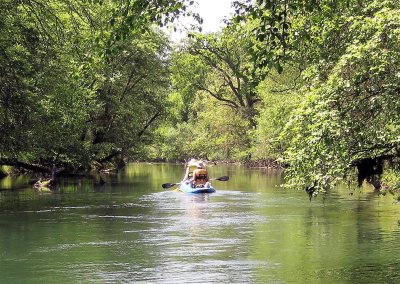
{"x":200,"y":176}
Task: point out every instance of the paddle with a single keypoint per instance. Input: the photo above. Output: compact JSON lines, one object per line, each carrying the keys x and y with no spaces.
{"x":223,"y":178}
{"x":169,"y":185}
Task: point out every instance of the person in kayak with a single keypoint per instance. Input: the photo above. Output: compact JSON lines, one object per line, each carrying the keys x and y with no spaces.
{"x":200,"y":176}
{"x":191,"y":165}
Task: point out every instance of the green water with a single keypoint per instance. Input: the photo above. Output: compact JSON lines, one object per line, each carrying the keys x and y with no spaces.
{"x":131,"y":230}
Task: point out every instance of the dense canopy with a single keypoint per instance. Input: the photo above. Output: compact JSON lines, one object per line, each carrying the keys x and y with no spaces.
{"x":310,"y":85}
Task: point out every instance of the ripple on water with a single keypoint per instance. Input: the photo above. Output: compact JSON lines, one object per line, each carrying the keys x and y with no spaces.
{"x":64,"y":247}
{"x":174,"y":271}
{"x":357,"y":272}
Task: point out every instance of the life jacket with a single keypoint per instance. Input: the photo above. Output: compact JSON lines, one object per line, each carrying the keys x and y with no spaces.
{"x":201,"y":176}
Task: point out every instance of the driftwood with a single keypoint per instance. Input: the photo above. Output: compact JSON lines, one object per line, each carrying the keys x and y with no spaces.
{"x":48,"y":183}
{"x":45,"y":184}
{"x":48,"y":178}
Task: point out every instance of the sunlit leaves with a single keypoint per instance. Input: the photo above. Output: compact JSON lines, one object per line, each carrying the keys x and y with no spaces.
{"x":352,"y":114}
{"x":285,"y":28}
{"x":279,"y":96}
{"x":81,"y":80}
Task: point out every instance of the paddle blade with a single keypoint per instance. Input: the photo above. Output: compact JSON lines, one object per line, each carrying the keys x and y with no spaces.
{"x":168,"y":185}
{"x":224,"y":178}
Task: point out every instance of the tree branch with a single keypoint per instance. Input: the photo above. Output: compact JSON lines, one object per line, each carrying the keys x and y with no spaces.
{"x":216,"y":96}
{"x":154,"y":117}
{"x":27,"y":166}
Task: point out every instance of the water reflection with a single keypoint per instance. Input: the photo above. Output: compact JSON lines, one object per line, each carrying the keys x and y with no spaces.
{"x":249,"y":231}
{"x":194,"y":204}
{"x":199,"y":240}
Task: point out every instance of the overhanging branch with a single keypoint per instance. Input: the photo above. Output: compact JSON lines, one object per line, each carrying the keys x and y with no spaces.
{"x":24,"y":165}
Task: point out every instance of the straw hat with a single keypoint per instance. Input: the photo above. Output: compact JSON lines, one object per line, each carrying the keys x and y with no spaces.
{"x":192,"y":162}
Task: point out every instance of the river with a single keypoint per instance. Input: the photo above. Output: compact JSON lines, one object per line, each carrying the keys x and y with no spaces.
{"x":131,"y":230}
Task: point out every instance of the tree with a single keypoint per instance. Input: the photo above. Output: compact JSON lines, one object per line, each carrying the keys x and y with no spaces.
{"x":212,"y":75}
{"x":351,"y":119}
{"x":38,"y":97}
{"x":346,"y":51}
{"x":227,"y":73}
{"x":81,"y":82}
{"x":132,"y":96}
{"x":280,"y":95}
{"x":287,"y":30}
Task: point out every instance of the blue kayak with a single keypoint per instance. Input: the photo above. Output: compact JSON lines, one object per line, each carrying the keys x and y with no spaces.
{"x":184,"y":187}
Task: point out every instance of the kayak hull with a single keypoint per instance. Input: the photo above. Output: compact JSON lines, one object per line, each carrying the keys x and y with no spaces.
{"x":188,"y":189}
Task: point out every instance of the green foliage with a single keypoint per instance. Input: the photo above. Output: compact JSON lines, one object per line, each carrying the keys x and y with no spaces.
{"x":391,"y":180}
{"x":354,"y":113}
{"x":213,"y":132}
{"x":228,"y":73}
{"x":280,"y":96}
{"x":131,"y":92}
{"x":286,"y":29}
{"x":172,"y":143}
{"x":188,"y":73}
{"x":213,"y":102}
{"x":80,"y":83}
{"x":16,"y":86}
{"x":89,"y":83}
{"x":220,"y":132}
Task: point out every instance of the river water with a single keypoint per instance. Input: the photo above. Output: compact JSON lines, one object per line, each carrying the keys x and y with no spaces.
{"x":131,"y":230}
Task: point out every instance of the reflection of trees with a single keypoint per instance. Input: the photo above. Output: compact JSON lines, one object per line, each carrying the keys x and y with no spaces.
{"x":334,"y":241}
{"x":273,"y":234}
